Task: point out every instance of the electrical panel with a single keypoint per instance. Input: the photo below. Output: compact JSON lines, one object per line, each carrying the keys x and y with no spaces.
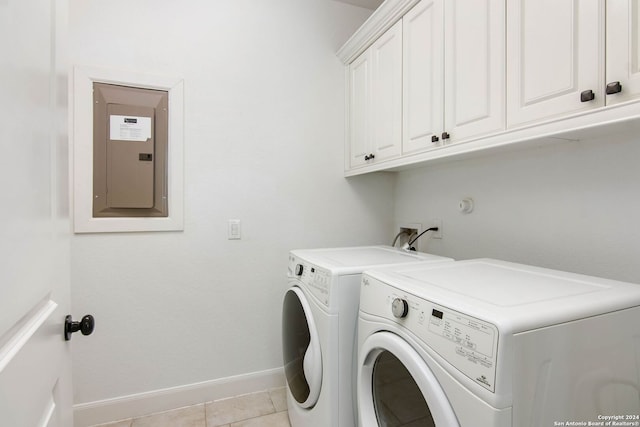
{"x":130,"y":149}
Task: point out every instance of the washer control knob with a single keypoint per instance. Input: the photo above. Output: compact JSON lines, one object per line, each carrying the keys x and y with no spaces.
{"x":299,"y":269}
{"x":400,"y":308}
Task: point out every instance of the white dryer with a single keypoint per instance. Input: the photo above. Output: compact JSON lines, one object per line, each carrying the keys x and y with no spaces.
{"x":319,"y":317}
{"x":486,"y":343}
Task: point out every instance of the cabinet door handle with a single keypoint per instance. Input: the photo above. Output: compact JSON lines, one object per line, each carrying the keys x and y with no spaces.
{"x":435,"y":139}
{"x":587,"y":96}
{"x":370,"y":157}
{"x":445,"y":135}
{"x":613,"y":87}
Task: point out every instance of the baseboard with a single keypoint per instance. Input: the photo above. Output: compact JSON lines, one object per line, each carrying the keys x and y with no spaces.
{"x":135,"y":405}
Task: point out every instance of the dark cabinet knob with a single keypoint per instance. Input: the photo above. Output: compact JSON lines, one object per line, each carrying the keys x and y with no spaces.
{"x":587,"y":96}
{"x":613,"y":87}
{"x":370,"y":157}
{"x":445,"y":135}
{"x":85,"y":326}
{"x":435,"y":139}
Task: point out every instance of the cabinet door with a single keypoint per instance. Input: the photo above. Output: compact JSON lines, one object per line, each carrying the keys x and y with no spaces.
{"x":474,"y":67}
{"x":623,"y":49}
{"x":359,"y":102}
{"x":423,"y":94}
{"x":555,"y":52}
{"x":386,"y":93}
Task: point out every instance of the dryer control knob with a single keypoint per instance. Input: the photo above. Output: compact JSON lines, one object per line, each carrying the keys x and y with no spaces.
{"x":400,"y":308}
{"x":299,"y":269}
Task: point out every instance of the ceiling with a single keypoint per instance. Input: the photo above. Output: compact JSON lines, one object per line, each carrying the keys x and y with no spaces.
{"x":369,"y":4}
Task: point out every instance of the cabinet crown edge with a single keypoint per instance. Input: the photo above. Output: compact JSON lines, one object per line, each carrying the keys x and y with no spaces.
{"x":380,"y":21}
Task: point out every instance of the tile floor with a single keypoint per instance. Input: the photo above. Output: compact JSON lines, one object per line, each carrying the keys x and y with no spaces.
{"x":263,"y":409}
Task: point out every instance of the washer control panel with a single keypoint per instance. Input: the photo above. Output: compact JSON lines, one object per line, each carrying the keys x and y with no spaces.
{"x":313,"y":278}
{"x":473,"y":339}
{"x":469,"y":344}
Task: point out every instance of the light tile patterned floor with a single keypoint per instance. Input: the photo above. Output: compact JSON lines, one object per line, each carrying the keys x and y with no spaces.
{"x":264,"y":409}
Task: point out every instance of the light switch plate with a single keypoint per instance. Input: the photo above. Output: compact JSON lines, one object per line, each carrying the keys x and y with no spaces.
{"x":233,"y":231}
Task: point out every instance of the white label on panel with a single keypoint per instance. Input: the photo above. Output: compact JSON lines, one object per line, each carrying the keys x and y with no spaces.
{"x":129,"y":128}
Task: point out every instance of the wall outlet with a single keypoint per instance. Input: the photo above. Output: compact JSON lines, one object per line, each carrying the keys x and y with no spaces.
{"x":435,"y":223}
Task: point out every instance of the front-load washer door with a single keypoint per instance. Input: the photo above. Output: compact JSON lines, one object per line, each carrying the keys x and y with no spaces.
{"x":396,"y":387}
{"x":301,"y":349}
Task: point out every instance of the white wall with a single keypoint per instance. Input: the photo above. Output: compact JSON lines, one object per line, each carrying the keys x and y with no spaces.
{"x":264,"y":143}
{"x":571,"y":206}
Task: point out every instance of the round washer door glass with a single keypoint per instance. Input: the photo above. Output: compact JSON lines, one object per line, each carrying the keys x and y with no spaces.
{"x":301,"y":349}
{"x":397,"y":399}
{"x":397,"y":388}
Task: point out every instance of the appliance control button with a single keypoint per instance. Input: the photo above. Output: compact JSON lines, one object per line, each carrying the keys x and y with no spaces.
{"x":299,"y":269}
{"x":399,"y":308}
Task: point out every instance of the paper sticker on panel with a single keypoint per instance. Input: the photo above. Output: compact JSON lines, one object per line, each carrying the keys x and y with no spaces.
{"x":127,"y":128}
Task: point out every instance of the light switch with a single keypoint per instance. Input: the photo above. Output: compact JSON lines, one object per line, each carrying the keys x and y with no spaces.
{"x":233,"y":229}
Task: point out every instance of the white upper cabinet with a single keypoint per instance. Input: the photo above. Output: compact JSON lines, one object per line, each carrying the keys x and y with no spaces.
{"x":454,"y":60}
{"x":375,"y":101}
{"x":386,"y":95}
{"x":554,"y":51}
{"x":474,"y":68}
{"x":359,"y":115}
{"x":423,"y":76}
{"x":430,"y":79}
{"x":623,"y":51}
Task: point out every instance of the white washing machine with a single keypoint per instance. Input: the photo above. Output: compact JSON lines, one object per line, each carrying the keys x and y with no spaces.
{"x":486,"y":343}
{"x":319,"y":317}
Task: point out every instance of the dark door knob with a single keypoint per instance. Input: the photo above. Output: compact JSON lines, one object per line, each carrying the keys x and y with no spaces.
{"x":613,"y":87}
{"x":370,"y":157}
{"x":85,"y":326}
{"x":445,"y":135}
{"x":435,"y":139}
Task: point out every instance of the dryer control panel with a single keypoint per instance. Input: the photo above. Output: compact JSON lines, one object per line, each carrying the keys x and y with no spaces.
{"x":468,"y":344}
{"x":316,"y":280}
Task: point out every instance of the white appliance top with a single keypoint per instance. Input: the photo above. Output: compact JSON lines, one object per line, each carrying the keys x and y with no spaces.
{"x":512,"y":296}
{"x":354,"y":260}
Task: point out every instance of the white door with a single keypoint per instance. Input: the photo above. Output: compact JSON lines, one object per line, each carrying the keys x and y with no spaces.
{"x":555,"y":54}
{"x":474,"y":67}
{"x":623,"y":51}
{"x":386,"y":93}
{"x":35,"y":387}
{"x":423,"y":91}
